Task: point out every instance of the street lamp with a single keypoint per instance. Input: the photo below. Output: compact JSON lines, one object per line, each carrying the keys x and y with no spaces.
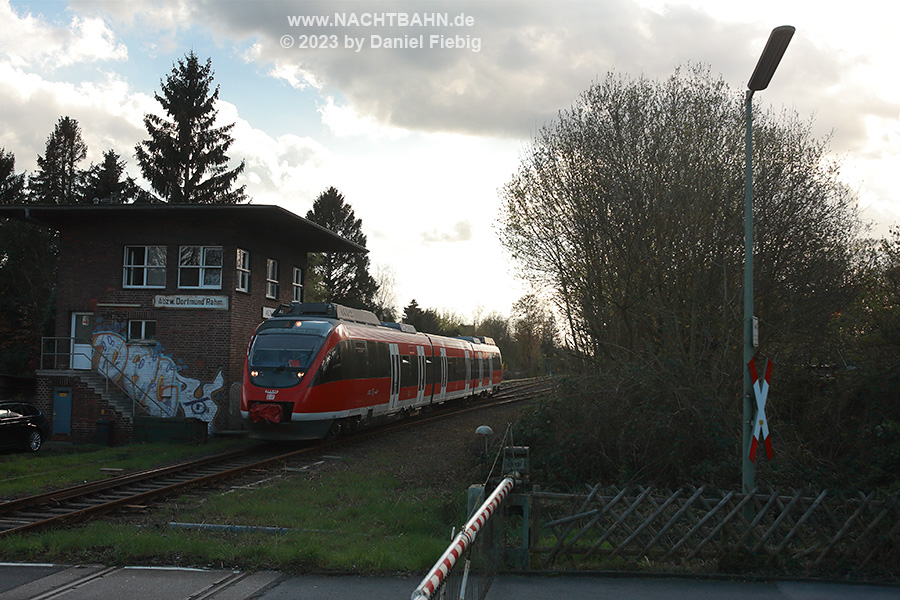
{"x":762,"y":75}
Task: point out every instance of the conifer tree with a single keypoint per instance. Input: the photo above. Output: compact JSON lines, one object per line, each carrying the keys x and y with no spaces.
{"x":104,"y":182}
{"x":425,"y":320}
{"x":342,"y":278}
{"x":185,"y":160}
{"x":12,"y":186}
{"x":58,"y":179}
{"x":27,"y":278}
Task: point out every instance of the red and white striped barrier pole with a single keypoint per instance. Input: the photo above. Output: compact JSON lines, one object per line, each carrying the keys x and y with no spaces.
{"x":461,"y":543}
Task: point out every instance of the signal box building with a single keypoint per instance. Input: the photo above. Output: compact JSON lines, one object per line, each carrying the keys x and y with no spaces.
{"x":155,"y":306}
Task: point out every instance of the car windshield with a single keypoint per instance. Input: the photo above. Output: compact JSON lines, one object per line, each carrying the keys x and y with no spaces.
{"x":284,"y":350}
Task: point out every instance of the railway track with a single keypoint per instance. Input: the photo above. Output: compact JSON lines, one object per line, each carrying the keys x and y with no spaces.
{"x":82,"y":502}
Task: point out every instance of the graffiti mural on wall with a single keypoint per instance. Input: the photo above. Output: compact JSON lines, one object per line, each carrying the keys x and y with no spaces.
{"x":152,"y":378}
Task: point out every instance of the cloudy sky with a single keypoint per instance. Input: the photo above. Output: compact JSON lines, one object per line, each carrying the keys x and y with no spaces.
{"x":420,"y":139}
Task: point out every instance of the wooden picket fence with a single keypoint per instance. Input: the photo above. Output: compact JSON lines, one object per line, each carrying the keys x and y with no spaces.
{"x":795,"y":531}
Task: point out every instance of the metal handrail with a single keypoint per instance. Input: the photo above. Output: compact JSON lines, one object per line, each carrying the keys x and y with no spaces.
{"x":55,"y":354}
{"x":135,"y":403}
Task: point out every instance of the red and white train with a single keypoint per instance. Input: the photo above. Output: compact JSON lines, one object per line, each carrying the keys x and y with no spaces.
{"x":315,"y":368}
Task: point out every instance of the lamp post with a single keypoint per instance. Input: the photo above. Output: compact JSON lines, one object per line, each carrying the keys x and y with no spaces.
{"x":762,"y":75}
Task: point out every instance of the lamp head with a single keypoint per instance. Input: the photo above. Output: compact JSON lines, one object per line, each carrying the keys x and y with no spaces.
{"x":770,"y":57}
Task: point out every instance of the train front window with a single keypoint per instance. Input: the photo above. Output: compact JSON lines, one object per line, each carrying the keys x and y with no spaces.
{"x":284,"y":350}
{"x":280,"y":359}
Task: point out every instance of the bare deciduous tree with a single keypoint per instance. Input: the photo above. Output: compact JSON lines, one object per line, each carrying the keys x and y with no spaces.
{"x":629,"y":207}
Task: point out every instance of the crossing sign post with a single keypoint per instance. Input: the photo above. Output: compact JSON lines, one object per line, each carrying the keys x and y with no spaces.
{"x":761,"y":424}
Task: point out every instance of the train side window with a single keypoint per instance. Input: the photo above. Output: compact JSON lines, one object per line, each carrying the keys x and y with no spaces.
{"x":456,"y":369}
{"x":379,"y":359}
{"x":429,"y":370}
{"x":356,"y":359}
{"x":409,"y":371}
{"x":450,"y":368}
{"x":332,"y":368}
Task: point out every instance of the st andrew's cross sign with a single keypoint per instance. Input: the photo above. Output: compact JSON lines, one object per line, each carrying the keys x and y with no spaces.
{"x":761,"y":425}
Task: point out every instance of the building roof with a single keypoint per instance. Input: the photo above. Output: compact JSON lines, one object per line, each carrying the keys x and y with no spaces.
{"x":274,"y":220}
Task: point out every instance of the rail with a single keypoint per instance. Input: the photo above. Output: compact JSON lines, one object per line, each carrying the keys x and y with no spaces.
{"x":114,"y":495}
{"x":137,"y":403}
{"x":94,"y":498}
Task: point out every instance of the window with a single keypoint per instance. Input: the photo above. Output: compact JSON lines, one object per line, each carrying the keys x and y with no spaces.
{"x":332,"y":368}
{"x":272,"y":278}
{"x":200,"y":267}
{"x":141,"y":330}
{"x":145,"y":266}
{"x":243,"y":271}
{"x":298,"y":285}
{"x":378,"y":360}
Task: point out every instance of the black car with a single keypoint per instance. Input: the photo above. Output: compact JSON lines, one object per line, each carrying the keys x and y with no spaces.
{"x":22,"y":425}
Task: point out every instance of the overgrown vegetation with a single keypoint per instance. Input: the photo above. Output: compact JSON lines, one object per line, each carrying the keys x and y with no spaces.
{"x":628,"y":212}
{"x":839,"y":430}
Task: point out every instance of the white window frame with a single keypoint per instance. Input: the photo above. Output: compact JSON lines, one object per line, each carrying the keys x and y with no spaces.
{"x":297,"y":285}
{"x":272,"y":279}
{"x":142,"y":325}
{"x":146,"y":268}
{"x":242,"y":267}
{"x":204,"y":268}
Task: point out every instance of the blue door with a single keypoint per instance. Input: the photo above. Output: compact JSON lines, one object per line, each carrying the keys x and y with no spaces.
{"x":62,"y":411}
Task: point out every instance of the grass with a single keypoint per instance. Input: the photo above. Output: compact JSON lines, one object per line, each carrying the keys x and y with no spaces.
{"x":117,"y":544}
{"x":60,"y":466}
{"x":358,"y":517}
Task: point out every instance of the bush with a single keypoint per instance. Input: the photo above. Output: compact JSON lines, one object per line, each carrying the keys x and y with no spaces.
{"x":635,"y":427}
{"x":834,"y":429}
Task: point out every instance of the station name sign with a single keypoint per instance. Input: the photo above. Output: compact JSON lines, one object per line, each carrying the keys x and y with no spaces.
{"x":204,"y":302}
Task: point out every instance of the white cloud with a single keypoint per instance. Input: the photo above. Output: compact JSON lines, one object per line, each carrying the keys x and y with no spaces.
{"x":297,"y":77}
{"x":30,"y":41}
{"x":110,"y":114}
{"x":346,"y":121}
{"x":277,"y":169}
{"x":460,"y":232}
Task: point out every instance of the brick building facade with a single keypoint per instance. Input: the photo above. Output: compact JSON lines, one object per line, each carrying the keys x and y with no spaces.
{"x":156,"y":304}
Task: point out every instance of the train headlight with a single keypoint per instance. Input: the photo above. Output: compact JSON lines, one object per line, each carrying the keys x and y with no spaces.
{"x":300,"y":374}
{"x":254,"y":373}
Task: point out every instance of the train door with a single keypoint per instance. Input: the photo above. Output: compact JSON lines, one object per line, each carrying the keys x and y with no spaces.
{"x":468,"y":371}
{"x":490,"y":370}
{"x":395,"y":376}
{"x":420,"y":396}
{"x":443,"y":393}
{"x":479,"y":360}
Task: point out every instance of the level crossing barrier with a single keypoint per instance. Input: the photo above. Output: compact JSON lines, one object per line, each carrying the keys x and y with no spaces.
{"x":462,"y":543}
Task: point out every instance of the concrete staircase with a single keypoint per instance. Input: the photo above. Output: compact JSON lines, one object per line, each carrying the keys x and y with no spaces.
{"x":110,"y":393}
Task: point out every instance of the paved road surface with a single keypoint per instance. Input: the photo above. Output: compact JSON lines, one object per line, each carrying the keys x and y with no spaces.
{"x":47,"y":582}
